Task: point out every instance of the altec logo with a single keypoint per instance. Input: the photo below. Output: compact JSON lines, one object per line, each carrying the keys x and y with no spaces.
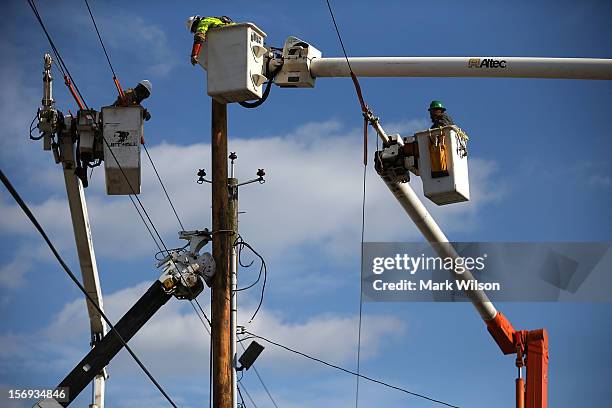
{"x":486,"y":63}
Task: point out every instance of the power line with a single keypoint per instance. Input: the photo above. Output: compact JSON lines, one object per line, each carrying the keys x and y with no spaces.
{"x":182,"y":228}
{"x":100,"y":38}
{"x":350,"y":372}
{"x":364,"y":110}
{"x":145,"y":224}
{"x":144,"y":146}
{"x":248,"y":395}
{"x":61,"y":64}
{"x":158,"y":177}
{"x":339,"y":36}
{"x":67,"y":73}
{"x":146,"y":214}
{"x":64,"y":69}
{"x":163,"y":186}
{"x":264,"y":386}
{"x":261,"y":379}
{"x":165,"y":248}
{"x":363,"y":203}
{"x":240,"y":243}
{"x":42,"y":232}
{"x":241,"y":398}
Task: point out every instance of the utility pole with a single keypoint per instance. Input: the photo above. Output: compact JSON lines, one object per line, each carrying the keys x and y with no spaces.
{"x":221,"y":287}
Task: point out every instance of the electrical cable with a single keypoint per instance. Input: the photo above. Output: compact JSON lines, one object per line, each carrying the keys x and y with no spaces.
{"x":188,"y":288}
{"x":135,"y":195}
{"x":156,"y":233}
{"x":100,"y":38}
{"x":363,"y":203}
{"x":182,"y":228}
{"x":44,"y":235}
{"x":261,"y":380}
{"x":240,"y":242}
{"x":339,"y":36}
{"x":241,"y":398}
{"x":163,"y":186}
{"x":32,"y":127}
{"x":146,"y":225}
{"x":266,"y":93}
{"x":179,"y":249}
{"x":248,"y":395}
{"x":60,"y":61}
{"x":159,"y":237}
{"x":259,"y":102}
{"x":240,"y":245}
{"x":64,"y":69}
{"x":366,"y":113}
{"x":165,"y":248}
{"x":350,"y":372}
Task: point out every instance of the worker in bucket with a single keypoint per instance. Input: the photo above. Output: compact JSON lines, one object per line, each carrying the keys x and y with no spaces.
{"x":134,"y":96}
{"x":199,"y":26}
{"x":438,"y":115}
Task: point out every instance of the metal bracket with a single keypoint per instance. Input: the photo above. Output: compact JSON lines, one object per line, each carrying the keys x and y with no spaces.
{"x":182,"y":270}
{"x":197,"y":239}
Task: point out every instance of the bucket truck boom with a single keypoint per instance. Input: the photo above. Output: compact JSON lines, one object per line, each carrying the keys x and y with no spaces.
{"x":53,"y":123}
{"x":300,"y":64}
{"x":78,"y":143}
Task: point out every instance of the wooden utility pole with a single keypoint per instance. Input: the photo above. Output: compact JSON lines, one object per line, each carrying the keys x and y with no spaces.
{"x":221,"y":288}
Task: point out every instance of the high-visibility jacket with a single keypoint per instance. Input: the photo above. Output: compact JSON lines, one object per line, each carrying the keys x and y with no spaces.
{"x":209,"y":22}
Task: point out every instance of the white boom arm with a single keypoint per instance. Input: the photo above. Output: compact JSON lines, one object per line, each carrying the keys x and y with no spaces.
{"x":89,"y":269}
{"x":496,"y":67}
{"x":64,"y":154}
{"x":434,"y":235}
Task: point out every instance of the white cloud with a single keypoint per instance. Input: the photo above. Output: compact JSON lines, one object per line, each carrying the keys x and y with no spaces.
{"x":12,"y":274}
{"x":329,"y":336}
{"x":312,"y":196}
{"x":175,"y":331}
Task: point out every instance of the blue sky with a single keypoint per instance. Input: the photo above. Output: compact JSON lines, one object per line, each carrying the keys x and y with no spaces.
{"x":540,"y":171}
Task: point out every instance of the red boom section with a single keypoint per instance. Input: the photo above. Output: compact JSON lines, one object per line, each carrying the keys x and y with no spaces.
{"x":503,"y":333}
{"x":537,"y":369}
{"x":532,"y":344}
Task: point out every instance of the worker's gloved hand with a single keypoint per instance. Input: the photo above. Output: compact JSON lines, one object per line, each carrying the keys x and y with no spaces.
{"x":146,"y":115}
{"x":194,"y":59}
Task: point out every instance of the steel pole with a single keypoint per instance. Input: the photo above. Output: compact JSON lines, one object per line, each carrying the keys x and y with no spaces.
{"x":495,"y":67}
{"x":221,"y":287}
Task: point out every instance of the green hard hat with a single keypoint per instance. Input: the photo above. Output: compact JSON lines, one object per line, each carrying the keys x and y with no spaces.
{"x":436,"y":105}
